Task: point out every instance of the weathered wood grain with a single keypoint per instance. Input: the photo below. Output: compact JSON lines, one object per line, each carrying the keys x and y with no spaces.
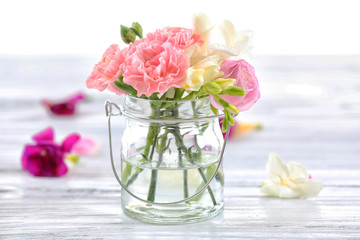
{"x":310,"y":109}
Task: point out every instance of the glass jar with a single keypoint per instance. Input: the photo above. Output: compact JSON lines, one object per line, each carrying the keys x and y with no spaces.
{"x":169,"y":152}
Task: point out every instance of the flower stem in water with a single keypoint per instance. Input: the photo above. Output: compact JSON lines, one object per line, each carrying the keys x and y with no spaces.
{"x":189,"y":156}
{"x":153,"y":179}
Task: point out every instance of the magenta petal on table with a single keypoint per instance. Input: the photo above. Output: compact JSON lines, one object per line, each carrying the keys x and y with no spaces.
{"x":44,"y":136}
{"x":46,"y":157}
{"x":44,"y":160}
{"x":76,"y":98}
{"x":29,"y":151}
{"x":85,"y":146}
{"x":69,"y":142}
{"x":64,"y":108}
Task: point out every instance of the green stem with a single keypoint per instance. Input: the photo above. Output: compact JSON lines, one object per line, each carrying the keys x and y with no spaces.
{"x":185,"y":173}
{"x":209,"y":172}
{"x":126,"y":172}
{"x":190,"y":96}
{"x":133,"y":178}
{"x":186,"y":188}
{"x":211,"y":193}
{"x":154,"y":172}
{"x":153,"y":130}
{"x":190,"y":159}
{"x":152,"y":187}
{"x":199,"y":155}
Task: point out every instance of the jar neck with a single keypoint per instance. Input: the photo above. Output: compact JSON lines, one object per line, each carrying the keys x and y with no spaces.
{"x":167,"y":110}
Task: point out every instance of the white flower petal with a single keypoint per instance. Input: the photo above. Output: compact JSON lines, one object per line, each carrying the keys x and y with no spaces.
{"x":228,"y":31}
{"x":310,"y":188}
{"x":297,"y":171}
{"x":211,"y":68}
{"x":194,"y":79}
{"x":243,"y":43}
{"x":202,"y":26}
{"x":276,"y":169}
{"x":229,"y":43}
{"x":276,"y":190}
{"x":270,"y":189}
{"x":289,"y":181}
{"x":286,"y":192}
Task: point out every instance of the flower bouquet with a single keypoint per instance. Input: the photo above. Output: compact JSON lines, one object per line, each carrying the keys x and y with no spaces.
{"x":177,"y":82}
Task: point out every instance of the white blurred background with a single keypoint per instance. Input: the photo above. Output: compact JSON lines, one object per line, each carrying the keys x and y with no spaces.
{"x":86,"y":27}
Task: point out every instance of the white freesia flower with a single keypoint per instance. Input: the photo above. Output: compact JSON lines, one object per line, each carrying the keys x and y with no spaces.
{"x":289,"y":180}
{"x":233,"y":43}
{"x":224,"y":40}
{"x":202,"y":72}
{"x":202,"y":26}
{"x":194,"y":79}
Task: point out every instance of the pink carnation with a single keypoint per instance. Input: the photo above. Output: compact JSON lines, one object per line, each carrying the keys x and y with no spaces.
{"x":108,"y":70}
{"x":158,"y":62}
{"x":244,"y":74}
{"x":180,"y":37}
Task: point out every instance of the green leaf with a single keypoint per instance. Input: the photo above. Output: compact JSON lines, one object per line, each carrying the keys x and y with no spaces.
{"x":125,"y":87}
{"x":191,"y":96}
{"x":178,"y":93}
{"x":154,"y":96}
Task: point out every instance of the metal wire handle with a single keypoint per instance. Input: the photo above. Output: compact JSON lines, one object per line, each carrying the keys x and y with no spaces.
{"x":108,"y":108}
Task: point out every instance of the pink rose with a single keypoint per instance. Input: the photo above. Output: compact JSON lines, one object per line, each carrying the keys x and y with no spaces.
{"x":244,"y":74}
{"x":158,"y":62}
{"x":108,"y":70}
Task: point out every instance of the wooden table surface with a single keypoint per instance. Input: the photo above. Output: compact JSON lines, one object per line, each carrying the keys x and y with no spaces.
{"x":310,"y":110}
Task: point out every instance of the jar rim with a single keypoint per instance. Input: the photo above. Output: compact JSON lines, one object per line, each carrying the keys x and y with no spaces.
{"x":164,"y":110}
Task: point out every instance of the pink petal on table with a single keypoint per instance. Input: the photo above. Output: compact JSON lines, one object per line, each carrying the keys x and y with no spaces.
{"x":29,"y":150}
{"x":85,"y":146}
{"x":76,"y":98}
{"x":66,"y":107}
{"x":69,"y":142}
{"x":63,"y":109}
{"x":46,"y":135}
{"x":44,"y":160}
